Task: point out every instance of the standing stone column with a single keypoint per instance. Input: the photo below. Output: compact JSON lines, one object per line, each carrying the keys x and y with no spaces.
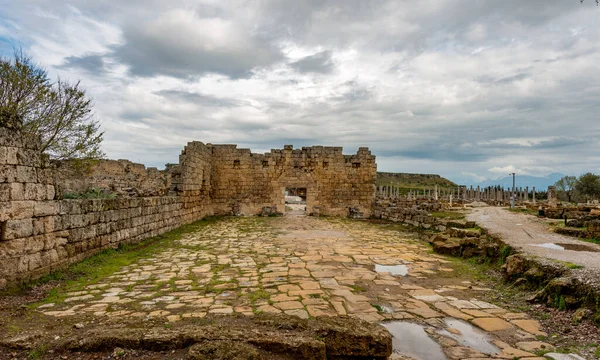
{"x":435,"y":192}
{"x":526,"y":193}
{"x":522,"y":196}
{"x":552,"y":200}
{"x":533,"y":191}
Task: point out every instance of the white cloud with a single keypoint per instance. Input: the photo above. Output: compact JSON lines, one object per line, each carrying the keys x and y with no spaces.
{"x":475,"y":177}
{"x":508,"y":86}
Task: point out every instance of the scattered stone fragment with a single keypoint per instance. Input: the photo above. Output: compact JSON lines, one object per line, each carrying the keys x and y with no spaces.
{"x":557,"y":356}
{"x":531,"y":326}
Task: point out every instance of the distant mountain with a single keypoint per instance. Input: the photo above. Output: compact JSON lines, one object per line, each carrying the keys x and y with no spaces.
{"x":540,"y":182}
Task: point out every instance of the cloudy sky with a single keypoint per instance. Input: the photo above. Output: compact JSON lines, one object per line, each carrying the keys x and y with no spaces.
{"x":470,"y":89}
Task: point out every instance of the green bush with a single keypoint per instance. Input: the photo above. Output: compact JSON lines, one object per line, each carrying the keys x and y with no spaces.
{"x":93,"y":193}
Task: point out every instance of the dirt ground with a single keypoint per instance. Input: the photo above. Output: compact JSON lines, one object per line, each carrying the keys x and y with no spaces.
{"x":533,"y":236}
{"x":302,"y":267}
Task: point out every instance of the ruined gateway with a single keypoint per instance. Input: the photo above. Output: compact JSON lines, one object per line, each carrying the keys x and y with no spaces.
{"x":41,"y":231}
{"x":240,"y":182}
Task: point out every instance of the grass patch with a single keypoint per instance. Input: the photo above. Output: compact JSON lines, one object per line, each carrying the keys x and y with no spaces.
{"x":560,"y":303}
{"x":258,"y":295}
{"x":378,"y":307}
{"x":93,"y":269}
{"x":505,"y":252}
{"x":570,"y":265}
{"x":38,"y":352}
{"x":593,"y":241}
{"x":220,"y":267}
{"x":358,"y":289}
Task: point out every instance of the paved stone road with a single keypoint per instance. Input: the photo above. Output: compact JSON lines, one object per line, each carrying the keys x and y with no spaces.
{"x":527,"y":232}
{"x":307,"y":266}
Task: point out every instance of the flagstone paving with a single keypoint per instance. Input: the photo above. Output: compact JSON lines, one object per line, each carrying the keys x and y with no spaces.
{"x":306,"y":267}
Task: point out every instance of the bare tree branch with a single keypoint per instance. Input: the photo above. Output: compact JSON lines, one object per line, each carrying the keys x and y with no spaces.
{"x":60,"y":113}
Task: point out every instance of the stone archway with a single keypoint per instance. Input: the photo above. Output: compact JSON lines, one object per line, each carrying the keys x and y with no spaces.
{"x":297,"y":180}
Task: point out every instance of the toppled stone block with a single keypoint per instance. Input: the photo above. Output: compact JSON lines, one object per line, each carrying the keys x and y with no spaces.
{"x":464,"y":233}
{"x":270,"y":211}
{"x":355,"y":213}
{"x":271,"y":335}
{"x":451,"y":247}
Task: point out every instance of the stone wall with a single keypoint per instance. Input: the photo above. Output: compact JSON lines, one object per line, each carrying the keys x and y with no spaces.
{"x":241,"y":182}
{"x":417,"y":213}
{"x":41,"y":232}
{"x":123,"y":177}
{"x":411,"y":212}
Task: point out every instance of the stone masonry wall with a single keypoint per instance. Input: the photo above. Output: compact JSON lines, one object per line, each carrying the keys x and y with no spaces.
{"x":244,"y":182}
{"x":411,"y":212}
{"x":123,"y":177}
{"x":39,"y":233}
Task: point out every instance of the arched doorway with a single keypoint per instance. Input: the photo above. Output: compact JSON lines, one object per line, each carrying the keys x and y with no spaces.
{"x":295,"y":200}
{"x":297,"y":193}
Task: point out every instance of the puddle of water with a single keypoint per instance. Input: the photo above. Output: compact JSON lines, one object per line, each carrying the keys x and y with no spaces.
{"x":411,"y":340}
{"x":550,"y":246}
{"x":400,"y":270}
{"x":578,"y":247}
{"x":572,"y":247}
{"x":469,"y":336}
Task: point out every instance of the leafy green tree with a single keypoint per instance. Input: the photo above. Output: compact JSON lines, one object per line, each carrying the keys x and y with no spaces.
{"x":60,"y":112}
{"x":566,"y":185}
{"x":588,"y":185}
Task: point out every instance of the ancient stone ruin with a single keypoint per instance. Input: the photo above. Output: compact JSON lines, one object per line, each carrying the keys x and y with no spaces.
{"x":41,"y":231}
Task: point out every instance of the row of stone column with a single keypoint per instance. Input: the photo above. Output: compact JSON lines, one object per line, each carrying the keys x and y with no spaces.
{"x":492,"y":193}
{"x":460,"y":193}
{"x":394,"y":192}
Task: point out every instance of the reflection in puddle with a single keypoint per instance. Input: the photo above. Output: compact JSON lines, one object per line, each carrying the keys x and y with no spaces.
{"x":573,"y":247}
{"x":578,"y":247}
{"x":550,"y":246}
{"x":401,"y":270}
{"x":411,"y":340}
{"x":467,"y":335}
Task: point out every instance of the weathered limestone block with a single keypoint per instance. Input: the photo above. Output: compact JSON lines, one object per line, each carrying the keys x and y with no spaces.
{"x":14,"y":229}
{"x":35,"y":191}
{"x":46,"y":208}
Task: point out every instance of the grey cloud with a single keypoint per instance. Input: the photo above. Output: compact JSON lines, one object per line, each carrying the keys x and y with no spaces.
{"x":503,"y":80}
{"x":436,"y":92}
{"x":170,"y":51}
{"x":195,"y":98}
{"x":318,"y":63}
{"x":93,"y":63}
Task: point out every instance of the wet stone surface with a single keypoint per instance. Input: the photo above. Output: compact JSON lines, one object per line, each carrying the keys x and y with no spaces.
{"x":309,"y":267}
{"x":400,"y":270}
